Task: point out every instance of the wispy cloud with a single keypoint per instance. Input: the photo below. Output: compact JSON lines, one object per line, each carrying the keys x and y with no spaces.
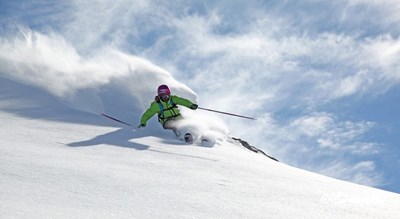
{"x":363,"y":172}
{"x":328,"y":133}
{"x":383,"y":14}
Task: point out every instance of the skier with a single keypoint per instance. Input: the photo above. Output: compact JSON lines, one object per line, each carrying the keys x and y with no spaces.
{"x":166,"y":106}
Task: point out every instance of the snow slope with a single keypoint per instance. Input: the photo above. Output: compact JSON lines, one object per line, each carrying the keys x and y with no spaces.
{"x":61,"y":162}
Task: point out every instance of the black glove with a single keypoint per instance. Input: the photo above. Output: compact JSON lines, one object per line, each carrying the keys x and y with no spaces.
{"x":193,"y":106}
{"x":142,"y":126}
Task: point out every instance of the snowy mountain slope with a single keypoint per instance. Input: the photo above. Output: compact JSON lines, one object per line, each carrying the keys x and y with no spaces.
{"x":59,"y":162}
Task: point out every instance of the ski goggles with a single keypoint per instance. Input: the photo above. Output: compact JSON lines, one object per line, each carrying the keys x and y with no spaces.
{"x":164,"y":97}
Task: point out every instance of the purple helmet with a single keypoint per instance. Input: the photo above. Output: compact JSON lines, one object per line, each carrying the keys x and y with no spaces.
{"x":163,"y":90}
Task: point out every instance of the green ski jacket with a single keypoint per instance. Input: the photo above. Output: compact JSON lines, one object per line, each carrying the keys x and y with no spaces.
{"x":165,"y":110}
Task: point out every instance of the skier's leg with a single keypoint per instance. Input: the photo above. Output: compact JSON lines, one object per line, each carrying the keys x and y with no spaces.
{"x":169,"y":124}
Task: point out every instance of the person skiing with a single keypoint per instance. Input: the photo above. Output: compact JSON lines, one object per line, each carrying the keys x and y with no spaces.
{"x":166,"y":106}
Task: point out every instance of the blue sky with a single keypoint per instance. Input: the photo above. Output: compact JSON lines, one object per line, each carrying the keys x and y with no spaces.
{"x":322,"y":77}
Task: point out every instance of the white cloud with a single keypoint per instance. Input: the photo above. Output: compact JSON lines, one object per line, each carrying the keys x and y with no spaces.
{"x":383,"y":11}
{"x":363,"y":172}
{"x":384,"y":52}
{"x":94,"y":22}
{"x":328,"y":133}
{"x":313,"y":125}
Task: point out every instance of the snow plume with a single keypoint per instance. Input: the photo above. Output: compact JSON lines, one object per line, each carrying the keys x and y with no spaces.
{"x":108,"y":80}
{"x":49,"y":62}
{"x":203,"y":126}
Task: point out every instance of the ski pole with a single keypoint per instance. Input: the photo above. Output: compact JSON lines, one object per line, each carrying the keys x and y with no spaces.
{"x":117,"y":120}
{"x":231,"y":114}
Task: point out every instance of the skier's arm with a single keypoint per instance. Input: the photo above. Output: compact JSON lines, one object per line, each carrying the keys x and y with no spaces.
{"x":150,"y":112}
{"x":184,"y":102}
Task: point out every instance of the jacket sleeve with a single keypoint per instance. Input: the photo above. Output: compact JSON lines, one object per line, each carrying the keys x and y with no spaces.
{"x":150,"y":112}
{"x":181,"y":101}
